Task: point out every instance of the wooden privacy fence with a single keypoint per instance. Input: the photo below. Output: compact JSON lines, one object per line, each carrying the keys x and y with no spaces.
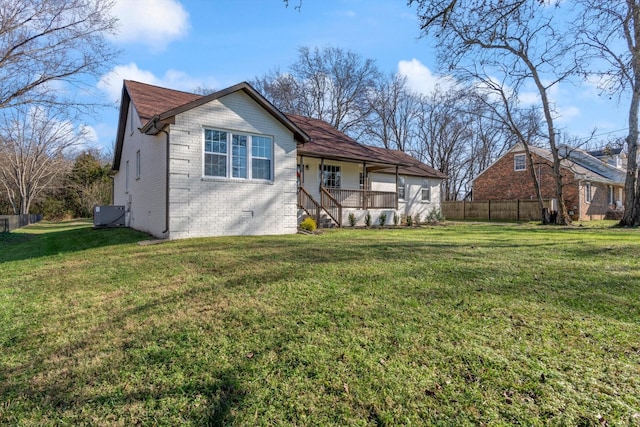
{"x":11,"y":222}
{"x":506,"y":210}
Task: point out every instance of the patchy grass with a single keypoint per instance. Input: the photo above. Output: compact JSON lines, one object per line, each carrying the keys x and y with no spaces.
{"x":458,"y":325}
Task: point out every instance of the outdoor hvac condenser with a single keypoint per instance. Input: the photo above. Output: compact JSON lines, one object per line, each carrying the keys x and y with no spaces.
{"x":108,"y":216}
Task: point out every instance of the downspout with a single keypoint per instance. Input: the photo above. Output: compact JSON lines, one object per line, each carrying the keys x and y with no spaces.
{"x":166,"y":207}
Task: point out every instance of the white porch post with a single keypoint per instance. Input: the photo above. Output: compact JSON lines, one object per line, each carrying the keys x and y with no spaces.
{"x":397,"y":177}
{"x":364,"y":185}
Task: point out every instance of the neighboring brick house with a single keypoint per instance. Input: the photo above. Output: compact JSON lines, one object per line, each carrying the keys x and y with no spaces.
{"x":230,"y":163}
{"x":592,"y":187}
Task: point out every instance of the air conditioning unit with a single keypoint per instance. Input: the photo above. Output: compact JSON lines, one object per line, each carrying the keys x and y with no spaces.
{"x":108,"y":216}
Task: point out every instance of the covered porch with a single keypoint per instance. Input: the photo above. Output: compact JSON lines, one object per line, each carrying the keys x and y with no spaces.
{"x":326,"y":186}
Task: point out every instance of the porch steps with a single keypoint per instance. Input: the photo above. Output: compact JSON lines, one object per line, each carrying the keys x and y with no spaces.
{"x":326,"y":222}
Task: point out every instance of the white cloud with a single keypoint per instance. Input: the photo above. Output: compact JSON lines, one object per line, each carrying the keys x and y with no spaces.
{"x":90,"y":135}
{"x":152,"y":22}
{"x":421,"y":79}
{"x":529,"y":98}
{"x":565,"y":114}
{"x":111,"y":83}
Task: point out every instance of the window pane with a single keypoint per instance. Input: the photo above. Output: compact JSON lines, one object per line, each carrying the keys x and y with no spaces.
{"x":426,"y":191}
{"x":261,"y":147}
{"x":239,"y":156}
{"x":215,"y":165}
{"x":261,"y":168}
{"x":215,"y":141}
{"x":519,"y":162}
{"x":330,"y":176}
{"x":401,"y":188}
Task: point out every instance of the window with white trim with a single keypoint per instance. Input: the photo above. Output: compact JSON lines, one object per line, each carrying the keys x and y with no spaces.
{"x":330,"y":176}
{"x":519,"y":162}
{"x":587,"y":192}
{"x":237,"y":155}
{"x":402,"y":186}
{"x":426,"y":191}
{"x":261,"y":155}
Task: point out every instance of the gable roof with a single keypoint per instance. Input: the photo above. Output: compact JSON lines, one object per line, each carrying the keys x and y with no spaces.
{"x":583,"y":165}
{"x":158,"y":106}
{"x":151,"y":100}
{"x":592,"y":165}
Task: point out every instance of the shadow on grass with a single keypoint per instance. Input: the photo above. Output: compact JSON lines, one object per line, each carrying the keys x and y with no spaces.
{"x":53,"y":382}
{"x":45,"y":239}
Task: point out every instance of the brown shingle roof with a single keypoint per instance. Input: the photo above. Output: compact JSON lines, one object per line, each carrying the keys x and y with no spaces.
{"x":154,"y":102}
{"x":151,"y":100}
{"x":410,"y":165}
{"x":329,"y":143}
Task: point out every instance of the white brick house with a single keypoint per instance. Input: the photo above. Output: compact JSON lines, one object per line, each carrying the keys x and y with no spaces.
{"x":230,"y":163}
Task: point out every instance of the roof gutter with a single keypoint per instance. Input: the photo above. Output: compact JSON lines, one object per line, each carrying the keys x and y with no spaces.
{"x":151,"y":125}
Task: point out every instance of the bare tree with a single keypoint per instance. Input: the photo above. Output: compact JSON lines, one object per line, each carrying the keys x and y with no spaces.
{"x":444,"y":136}
{"x":283,"y":90}
{"x":49,"y":41}
{"x":330,"y":84}
{"x":33,"y":144}
{"x":394,"y":113}
{"x":522,"y":35}
{"x":523,"y":124}
{"x":612,"y":32}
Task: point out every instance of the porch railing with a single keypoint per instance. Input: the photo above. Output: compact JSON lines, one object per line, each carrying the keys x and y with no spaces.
{"x":331,"y":206}
{"x":308,"y":204}
{"x":332,"y":200}
{"x":364,"y":199}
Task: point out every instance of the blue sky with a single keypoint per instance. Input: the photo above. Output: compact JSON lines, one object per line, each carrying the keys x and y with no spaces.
{"x":183,"y":44}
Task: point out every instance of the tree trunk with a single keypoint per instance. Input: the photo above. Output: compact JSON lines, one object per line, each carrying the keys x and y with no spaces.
{"x":544,"y":214}
{"x":563,"y":217}
{"x":631,"y":211}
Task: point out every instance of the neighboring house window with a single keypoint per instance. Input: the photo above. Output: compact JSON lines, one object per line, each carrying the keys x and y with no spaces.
{"x":331,"y":176}
{"x":519,"y":162}
{"x":238,"y":155}
{"x":426,"y":191}
{"x":361,"y":181}
{"x":587,"y":192}
{"x":612,"y":197}
{"x":138,"y":164}
{"x":402,"y":185}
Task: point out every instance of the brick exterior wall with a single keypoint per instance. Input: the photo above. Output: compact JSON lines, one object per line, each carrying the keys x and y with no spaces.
{"x":501,"y":182}
{"x":203,"y":206}
{"x":200,"y":206}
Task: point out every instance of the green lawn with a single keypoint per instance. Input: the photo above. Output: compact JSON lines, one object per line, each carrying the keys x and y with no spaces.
{"x":466,"y":324}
